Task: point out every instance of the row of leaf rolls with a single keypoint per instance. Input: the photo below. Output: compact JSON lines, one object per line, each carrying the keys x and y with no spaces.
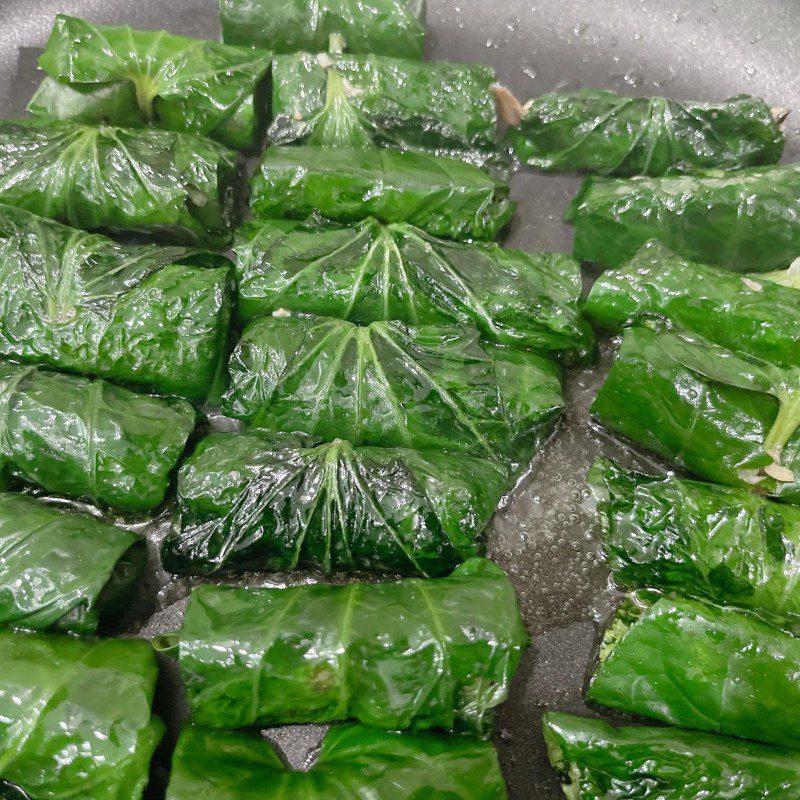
{"x":705,"y":377}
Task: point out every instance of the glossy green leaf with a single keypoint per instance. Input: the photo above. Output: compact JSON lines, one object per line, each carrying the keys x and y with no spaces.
{"x":419,"y":653}
{"x":750,"y":315}
{"x":389,"y":27}
{"x":698,"y":665}
{"x":90,"y":439}
{"x":118,"y":75}
{"x":598,"y":131}
{"x":355,"y":763}
{"x":75,"y":716}
{"x":154,"y":317}
{"x":743,"y":221}
{"x":172,"y":185}
{"x":390,"y":385}
{"x":264,"y":501}
{"x":371,"y":272}
{"x":699,"y":539}
{"x":729,"y":418}
{"x":63,"y":570}
{"x":442,"y":196}
{"x":595,"y":760}
{"x":441,"y":107}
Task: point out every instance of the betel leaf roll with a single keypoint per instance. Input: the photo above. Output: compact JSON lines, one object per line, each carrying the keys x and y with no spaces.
{"x":154,"y":317}
{"x":602,"y":132}
{"x":63,"y":570}
{"x":698,"y":665}
{"x":419,"y":653}
{"x":122,"y":76}
{"x":390,"y":27}
{"x":263,"y":501}
{"x":442,"y":196}
{"x":595,"y":760}
{"x":751,"y":315}
{"x":174,"y":185}
{"x":359,"y":100}
{"x":699,"y":539}
{"x":90,"y":439}
{"x":75,"y":717}
{"x":355,"y":762}
{"x":742,"y":221}
{"x":390,"y":385}
{"x":727,"y":417}
{"x":371,"y":272}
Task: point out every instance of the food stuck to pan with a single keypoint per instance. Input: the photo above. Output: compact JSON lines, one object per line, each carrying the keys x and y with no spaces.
{"x":293,"y":451}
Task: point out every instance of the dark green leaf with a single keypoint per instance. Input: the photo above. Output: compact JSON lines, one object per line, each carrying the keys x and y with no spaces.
{"x":598,"y":131}
{"x":442,"y":107}
{"x":419,"y":653}
{"x":263,"y":501}
{"x":90,"y":439}
{"x":390,"y":27}
{"x":154,"y":317}
{"x":443,"y":196}
{"x":744,"y":221}
{"x":355,"y":763}
{"x":75,"y":716}
{"x":699,"y":539}
{"x":595,"y":761}
{"x":122,"y":76}
{"x":752,"y":316}
{"x":371,"y":272}
{"x":177,"y":186}
{"x":389,"y":385}
{"x":698,"y":665}
{"x":727,"y":418}
{"x":63,"y":570}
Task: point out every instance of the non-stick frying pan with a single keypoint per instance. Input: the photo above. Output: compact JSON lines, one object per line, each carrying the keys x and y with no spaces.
{"x":545,"y":537}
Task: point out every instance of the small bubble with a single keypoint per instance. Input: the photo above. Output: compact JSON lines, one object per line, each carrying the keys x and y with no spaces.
{"x":637,"y":36}
{"x":529,"y":71}
{"x":750,"y":70}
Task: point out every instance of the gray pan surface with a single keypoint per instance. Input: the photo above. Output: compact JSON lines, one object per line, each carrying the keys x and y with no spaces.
{"x":545,"y":536}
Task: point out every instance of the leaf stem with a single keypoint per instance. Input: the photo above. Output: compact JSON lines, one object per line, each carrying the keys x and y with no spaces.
{"x":786,"y":422}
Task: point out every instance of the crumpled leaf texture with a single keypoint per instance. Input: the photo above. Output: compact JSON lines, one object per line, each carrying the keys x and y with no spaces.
{"x":75,"y":716}
{"x":90,"y":439}
{"x":419,"y":653}
{"x":371,"y":271}
{"x":175,"y":186}
{"x":118,"y":75}
{"x":598,"y":131}
{"x":265,"y":501}
{"x":355,"y":763}
{"x":152,"y":317}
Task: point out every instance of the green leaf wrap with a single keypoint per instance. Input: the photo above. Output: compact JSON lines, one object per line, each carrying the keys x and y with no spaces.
{"x":708,"y":409}
{"x":699,"y":539}
{"x":602,"y":132}
{"x":173,"y":185}
{"x":63,"y":570}
{"x":75,"y":716}
{"x":441,"y":107}
{"x":390,"y":27}
{"x":263,"y":501}
{"x":442,"y":196}
{"x":596,"y":760}
{"x":90,"y":439}
{"x":746,"y":314}
{"x":371,"y":272}
{"x":389,"y":385}
{"x":355,"y":763}
{"x":743,"y":221}
{"x":419,"y":653}
{"x":153,"y":317}
{"x":118,"y":75}
{"x":698,"y":665}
